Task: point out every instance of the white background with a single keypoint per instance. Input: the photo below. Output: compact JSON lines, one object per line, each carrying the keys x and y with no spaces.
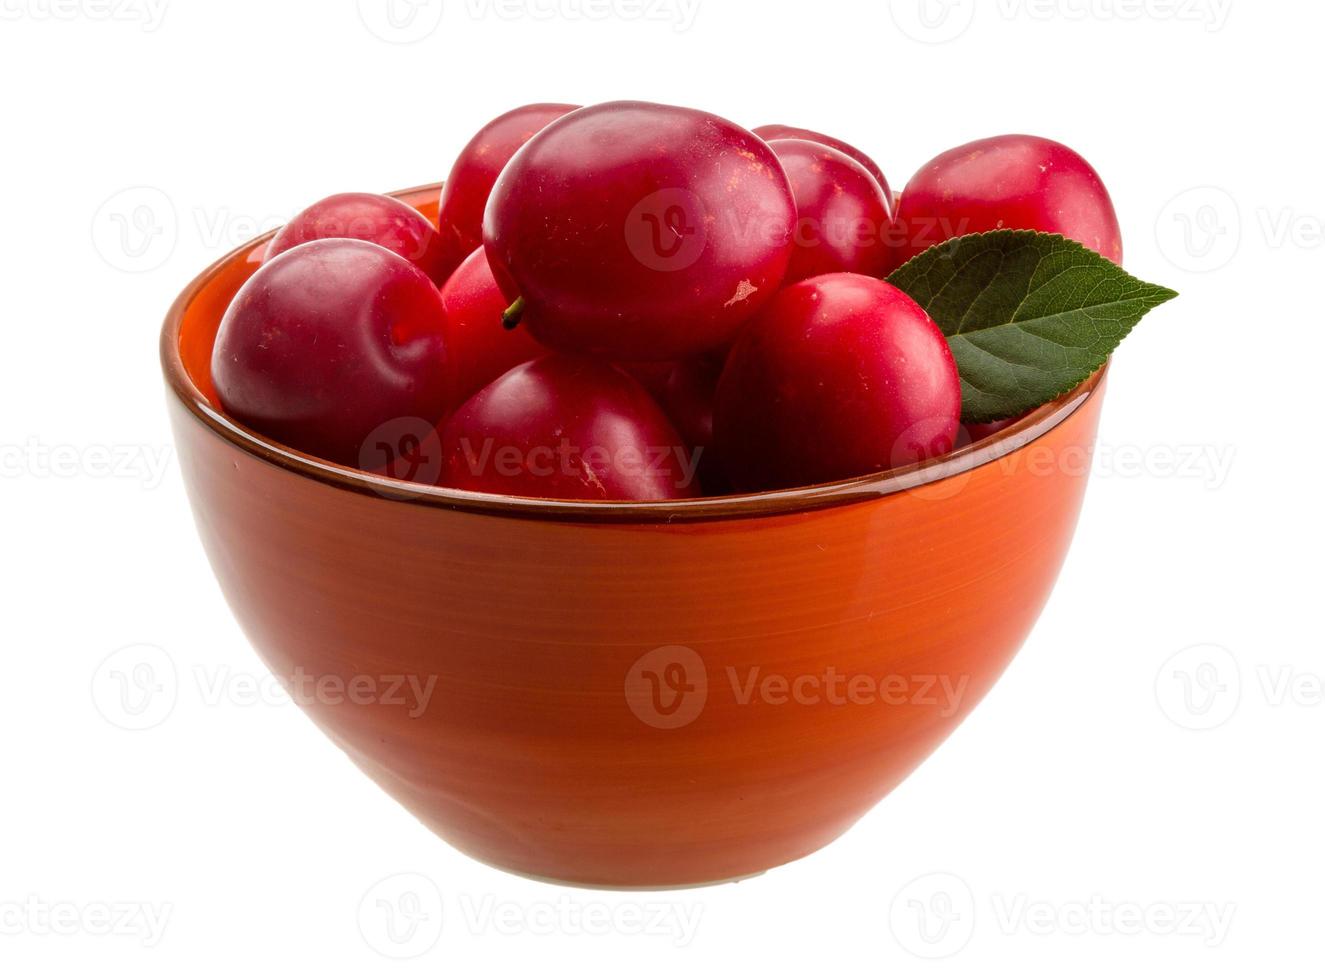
{"x":230,"y":838}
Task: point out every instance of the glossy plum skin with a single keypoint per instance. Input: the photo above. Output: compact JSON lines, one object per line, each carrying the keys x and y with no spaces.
{"x":566,"y":428}
{"x":687,"y":398}
{"x":777,"y":131}
{"x":465,"y":193}
{"x":842,"y":217}
{"x":841,"y":376}
{"x":640,"y":232}
{"x":1018,"y":182}
{"x":481,"y":349}
{"x":329,"y":341}
{"x":653,"y":375}
{"x":370,"y":218}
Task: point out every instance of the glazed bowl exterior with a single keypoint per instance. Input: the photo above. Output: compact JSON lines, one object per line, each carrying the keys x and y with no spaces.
{"x":640,"y":694}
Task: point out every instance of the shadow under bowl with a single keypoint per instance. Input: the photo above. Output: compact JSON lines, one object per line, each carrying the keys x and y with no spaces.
{"x":638,"y":694}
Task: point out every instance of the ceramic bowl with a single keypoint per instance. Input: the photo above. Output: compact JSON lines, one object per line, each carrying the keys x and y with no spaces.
{"x":639,"y":694}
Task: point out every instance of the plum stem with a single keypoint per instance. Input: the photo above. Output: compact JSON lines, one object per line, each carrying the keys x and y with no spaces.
{"x":511,"y":318}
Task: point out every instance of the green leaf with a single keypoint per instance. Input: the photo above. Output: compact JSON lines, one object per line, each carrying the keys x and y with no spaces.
{"x":1028,"y":316}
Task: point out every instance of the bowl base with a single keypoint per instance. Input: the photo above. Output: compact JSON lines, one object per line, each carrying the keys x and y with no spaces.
{"x":597,"y":886}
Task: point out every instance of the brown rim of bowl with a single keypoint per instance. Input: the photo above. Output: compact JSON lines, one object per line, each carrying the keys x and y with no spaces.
{"x":765,"y":504}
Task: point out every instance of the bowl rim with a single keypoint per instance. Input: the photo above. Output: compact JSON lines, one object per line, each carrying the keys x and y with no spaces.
{"x":769,"y":503}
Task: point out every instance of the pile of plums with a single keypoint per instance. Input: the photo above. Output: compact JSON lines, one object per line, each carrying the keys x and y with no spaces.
{"x":632,"y":301}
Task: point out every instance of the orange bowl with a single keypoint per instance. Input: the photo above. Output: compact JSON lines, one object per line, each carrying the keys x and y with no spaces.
{"x":634,"y":694}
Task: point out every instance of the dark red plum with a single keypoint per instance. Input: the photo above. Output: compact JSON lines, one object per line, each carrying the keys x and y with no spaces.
{"x":780,"y":132}
{"x":840,"y":376}
{"x":330,"y":341}
{"x":640,"y":232}
{"x":465,"y":193}
{"x":842,"y":217}
{"x":374,"y":218}
{"x":1017,"y":182}
{"x":482,"y":350}
{"x":567,"y":428}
